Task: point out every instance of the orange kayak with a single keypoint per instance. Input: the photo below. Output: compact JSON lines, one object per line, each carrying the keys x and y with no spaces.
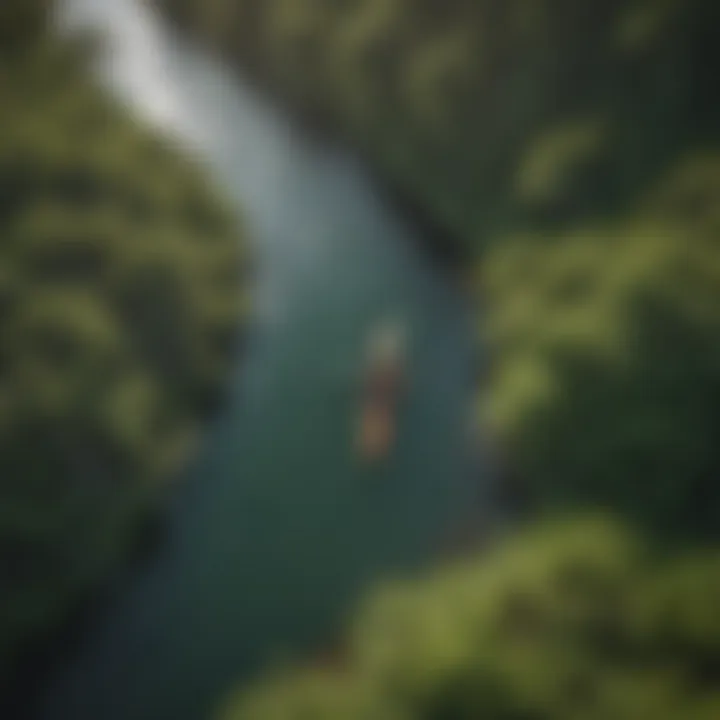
{"x":377,"y":428}
{"x":377,"y":432}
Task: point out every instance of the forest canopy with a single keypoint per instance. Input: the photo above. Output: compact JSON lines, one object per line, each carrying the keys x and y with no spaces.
{"x":606,"y":343}
{"x":493,"y":114}
{"x":572,"y":619}
{"x":120,"y":308}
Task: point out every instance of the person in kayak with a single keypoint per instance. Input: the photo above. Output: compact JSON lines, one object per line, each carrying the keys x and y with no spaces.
{"x":383,"y":389}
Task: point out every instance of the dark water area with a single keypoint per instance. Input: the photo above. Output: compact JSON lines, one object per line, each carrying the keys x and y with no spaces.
{"x":277,"y":530}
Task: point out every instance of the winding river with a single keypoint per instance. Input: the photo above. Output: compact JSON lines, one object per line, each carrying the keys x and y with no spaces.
{"x":277,"y":531}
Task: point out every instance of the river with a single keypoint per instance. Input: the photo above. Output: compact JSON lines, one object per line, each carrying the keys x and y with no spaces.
{"x":277,"y":531}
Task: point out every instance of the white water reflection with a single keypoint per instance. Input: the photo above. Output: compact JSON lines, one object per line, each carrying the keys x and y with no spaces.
{"x":132,"y":58}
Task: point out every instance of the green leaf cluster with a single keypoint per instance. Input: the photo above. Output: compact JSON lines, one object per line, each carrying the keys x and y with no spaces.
{"x":570,"y":620}
{"x":606,"y":357}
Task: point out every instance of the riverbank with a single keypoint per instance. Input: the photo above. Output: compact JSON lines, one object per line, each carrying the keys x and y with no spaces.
{"x":559,"y":619}
{"x":444,"y":238}
{"x":118,"y":312}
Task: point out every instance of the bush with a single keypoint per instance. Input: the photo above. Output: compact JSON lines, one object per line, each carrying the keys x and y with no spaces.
{"x":569,"y":619}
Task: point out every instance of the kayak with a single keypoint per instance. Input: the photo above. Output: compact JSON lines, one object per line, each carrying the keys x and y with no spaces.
{"x":383,"y":389}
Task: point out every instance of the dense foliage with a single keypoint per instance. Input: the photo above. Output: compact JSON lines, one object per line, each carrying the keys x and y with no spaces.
{"x":492,"y":113}
{"x":570,"y":620}
{"x":119,"y":309}
{"x":606,"y":382}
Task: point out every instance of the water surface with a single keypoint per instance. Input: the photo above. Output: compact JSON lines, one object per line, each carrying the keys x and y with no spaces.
{"x":278,"y":529}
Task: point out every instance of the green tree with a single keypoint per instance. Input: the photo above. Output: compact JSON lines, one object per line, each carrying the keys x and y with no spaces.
{"x":572,"y":619}
{"x":607,"y":357}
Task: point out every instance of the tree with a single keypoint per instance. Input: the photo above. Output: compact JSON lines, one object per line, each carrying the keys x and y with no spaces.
{"x":569,"y":619}
{"x":607,"y":349}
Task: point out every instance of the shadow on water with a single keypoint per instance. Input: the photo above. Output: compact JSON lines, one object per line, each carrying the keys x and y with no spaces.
{"x":39,"y":660}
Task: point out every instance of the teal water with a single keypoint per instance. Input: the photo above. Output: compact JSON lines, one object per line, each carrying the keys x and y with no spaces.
{"x":277,"y":530}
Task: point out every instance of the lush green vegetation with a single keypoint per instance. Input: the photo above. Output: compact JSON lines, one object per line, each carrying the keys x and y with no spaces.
{"x":576,"y":620}
{"x":119,"y":309}
{"x":492,"y":113}
{"x":606,"y":338}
